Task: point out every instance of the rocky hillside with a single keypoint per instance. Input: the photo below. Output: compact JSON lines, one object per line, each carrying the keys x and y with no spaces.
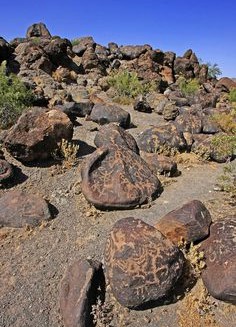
{"x":108,"y":164}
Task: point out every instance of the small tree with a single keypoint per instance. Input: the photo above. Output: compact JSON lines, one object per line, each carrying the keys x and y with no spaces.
{"x":214,"y":70}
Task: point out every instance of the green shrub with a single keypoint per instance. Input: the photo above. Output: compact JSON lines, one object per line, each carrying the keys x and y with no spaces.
{"x":226,"y":121}
{"x":232,"y":95}
{"x":74,"y":42}
{"x":224,"y":145}
{"x":128,"y":85}
{"x":213,"y":70}
{"x":189,"y":87}
{"x":14,"y":98}
{"x":227,"y":181}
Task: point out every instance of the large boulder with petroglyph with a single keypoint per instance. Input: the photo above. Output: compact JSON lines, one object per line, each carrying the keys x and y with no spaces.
{"x":141,"y":265}
{"x":157,"y":138}
{"x":116,"y":177}
{"x":219,"y":276}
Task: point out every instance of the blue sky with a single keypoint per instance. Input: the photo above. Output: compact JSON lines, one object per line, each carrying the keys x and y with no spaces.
{"x":208,"y":27}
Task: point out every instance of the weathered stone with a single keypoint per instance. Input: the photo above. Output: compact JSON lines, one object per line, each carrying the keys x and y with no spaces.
{"x":141,"y":265}
{"x":189,"y":121}
{"x":6,"y":170}
{"x":105,"y":114}
{"x":116,"y":177}
{"x":142,"y":105}
{"x":219,"y":276}
{"x":226,"y":82}
{"x":170,"y":111}
{"x":183,"y":67}
{"x":131,"y":52}
{"x":38,"y":30}
{"x":19,"y":209}
{"x":78,"y":292}
{"x":155,"y":138}
{"x":82,"y":43}
{"x":5,"y":49}
{"x":37,"y":133}
{"x":76,"y":109}
{"x":159,"y":164}
{"x":189,"y":223}
{"x":112,"y":134}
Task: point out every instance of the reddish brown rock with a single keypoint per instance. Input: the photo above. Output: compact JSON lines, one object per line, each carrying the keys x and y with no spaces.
{"x":115,"y":177}
{"x":226,"y":82}
{"x":19,"y":209}
{"x":78,"y":292}
{"x":166,"y":135}
{"x":159,"y":164}
{"x":37,"y":133}
{"x":189,"y":223}
{"x":189,"y":121}
{"x":112,"y":134}
{"x":105,"y":114}
{"x":142,"y":105}
{"x":219,"y":276}
{"x":141,"y":264}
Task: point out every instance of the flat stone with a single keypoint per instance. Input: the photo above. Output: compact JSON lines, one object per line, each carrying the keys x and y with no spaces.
{"x":115,"y":177}
{"x":19,"y":209}
{"x":219,"y":276}
{"x":189,"y":223}
{"x":141,"y":264}
{"x":78,"y":292}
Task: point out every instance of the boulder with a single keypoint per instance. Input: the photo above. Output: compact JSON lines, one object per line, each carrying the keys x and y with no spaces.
{"x":5,"y":50}
{"x":82,"y":43}
{"x":73,"y":110}
{"x":219,"y":276}
{"x":38,"y":30}
{"x":105,"y":114}
{"x":78,"y":292}
{"x":37,"y":133}
{"x":6,"y":170}
{"x":183,"y":67}
{"x":111,"y":134}
{"x":155,"y":139}
{"x":160,"y":164}
{"x":131,"y":52}
{"x":189,"y":223}
{"x":189,"y":121}
{"x":19,"y":209}
{"x":141,"y":265}
{"x":117,"y":178}
{"x":142,"y":105}
{"x":226,"y":82}
{"x":170,"y":111}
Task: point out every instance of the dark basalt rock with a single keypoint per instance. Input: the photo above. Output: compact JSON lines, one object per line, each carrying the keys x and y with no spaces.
{"x":112,"y":134}
{"x":189,"y":223}
{"x":6,"y":170}
{"x":131,"y":52}
{"x":142,"y":105}
{"x":105,"y":114}
{"x":19,"y":209}
{"x":189,"y":121}
{"x":154,"y":138}
{"x":160,"y":164}
{"x":219,"y":276}
{"x":76,"y":109}
{"x":117,"y":178}
{"x":37,"y":133}
{"x":141,"y":265}
{"x":79,"y":291}
{"x":170,"y":111}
